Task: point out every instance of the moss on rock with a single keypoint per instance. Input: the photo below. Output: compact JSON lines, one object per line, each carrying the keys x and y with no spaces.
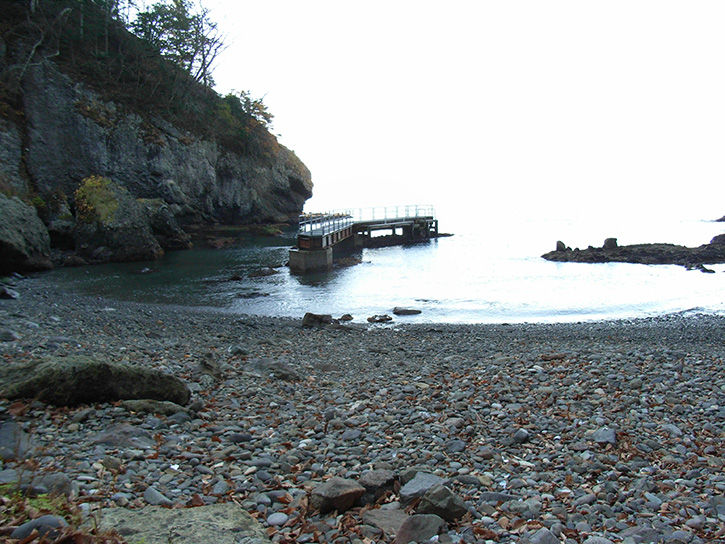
{"x":77,"y":380}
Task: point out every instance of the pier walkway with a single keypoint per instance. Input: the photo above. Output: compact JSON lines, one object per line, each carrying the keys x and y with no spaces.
{"x":319,"y":233}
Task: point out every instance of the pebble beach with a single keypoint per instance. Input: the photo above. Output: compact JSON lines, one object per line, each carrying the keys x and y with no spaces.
{"x":596,"y":432}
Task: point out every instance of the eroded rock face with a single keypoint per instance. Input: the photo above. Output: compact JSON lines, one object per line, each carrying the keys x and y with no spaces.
{"x":11,"y":145}
{"x":24,"y":240}
{"x":164,"y":225}
{"x":73,"y":134}
{"x":70,"y":381}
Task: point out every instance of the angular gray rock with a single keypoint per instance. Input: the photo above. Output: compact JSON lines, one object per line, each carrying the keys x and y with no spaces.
{"x":381,"y":318}
{"x":494,"y":497}
{"x":419,"y":528}
{"x":376,"y":483}
{"x":278,"y":369}
{"x":388,"y":521}
{"x":441,"y":501}
{"x":544,"y":536}
{"x":597,"y":540}
{"x":155,"y":498}
{"x":316,"y":320}
{"x":14,"y":441}
{"x":521,"y":436}
{"x":610,"y":243}
{"x":148,"y":406}
{"x":418,"y":486}
{"x":8,"y":294}
{"x":604,"y":435}
{"x":336,"y":494}
{"x":406,"y":311}
{"x":24,"y":240}
{"x":123,"y":435}
{"x":68,"y":381}
{"x":224,"y":523}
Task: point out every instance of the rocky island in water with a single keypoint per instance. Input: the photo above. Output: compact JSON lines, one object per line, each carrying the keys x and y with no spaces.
{"x":611,"y":252}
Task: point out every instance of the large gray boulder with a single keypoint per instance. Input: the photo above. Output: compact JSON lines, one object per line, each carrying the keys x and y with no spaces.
{"x":111,"y":225}
{"x":225,"y":523}
{"x":74,"y":380}
{"x":24,"y":240}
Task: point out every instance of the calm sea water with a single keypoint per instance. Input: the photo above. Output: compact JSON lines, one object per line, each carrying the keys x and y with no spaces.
{"x":490,"y":271}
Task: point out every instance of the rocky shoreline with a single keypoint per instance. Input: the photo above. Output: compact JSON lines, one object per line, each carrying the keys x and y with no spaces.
{"x":601,"y":432}
{"x":611,"y":252}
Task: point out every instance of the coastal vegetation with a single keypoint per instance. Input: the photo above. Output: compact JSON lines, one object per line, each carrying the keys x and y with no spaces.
{"x":158,"y":61}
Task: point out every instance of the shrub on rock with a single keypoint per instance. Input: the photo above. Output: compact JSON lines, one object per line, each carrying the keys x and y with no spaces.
{"x":111,"y":225}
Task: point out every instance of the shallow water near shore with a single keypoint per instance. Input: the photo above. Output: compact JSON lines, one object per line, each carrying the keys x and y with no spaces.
{"x":490,"y":271}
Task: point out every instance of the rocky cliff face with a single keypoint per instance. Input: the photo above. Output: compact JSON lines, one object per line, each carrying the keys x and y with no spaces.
{"x":71,"y":134}
{"x":65,"y":133}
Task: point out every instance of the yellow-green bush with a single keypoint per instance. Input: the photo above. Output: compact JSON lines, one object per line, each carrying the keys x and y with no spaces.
{"x":95,"y":200}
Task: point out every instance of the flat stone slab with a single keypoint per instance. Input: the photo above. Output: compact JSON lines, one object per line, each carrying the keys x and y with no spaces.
{"x":224,"y":523}
{"x":389,"y":521}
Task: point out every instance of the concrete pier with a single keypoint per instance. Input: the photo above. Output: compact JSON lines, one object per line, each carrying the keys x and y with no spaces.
{"x":302,"y":261}
{"x":320,"y":233}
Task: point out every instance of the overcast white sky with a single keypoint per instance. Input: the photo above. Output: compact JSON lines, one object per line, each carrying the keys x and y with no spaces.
{"x":566,"y":107}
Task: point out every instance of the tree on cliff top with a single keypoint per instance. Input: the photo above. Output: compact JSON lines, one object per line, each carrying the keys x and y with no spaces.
{"x":189,"y":40}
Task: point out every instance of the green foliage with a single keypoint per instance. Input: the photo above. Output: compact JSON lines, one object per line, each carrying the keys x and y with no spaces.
{"x":95,"y":200}
{"x":38,"y":203}
{"x":189,"y":40}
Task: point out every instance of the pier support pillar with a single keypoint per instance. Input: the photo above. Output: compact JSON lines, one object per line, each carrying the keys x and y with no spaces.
{"x":310,"y":260}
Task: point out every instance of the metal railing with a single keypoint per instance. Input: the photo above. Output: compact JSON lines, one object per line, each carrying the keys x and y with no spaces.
{"x":319,"y":224}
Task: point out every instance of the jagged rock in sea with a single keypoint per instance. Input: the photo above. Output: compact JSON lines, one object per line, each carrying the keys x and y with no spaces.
{"x":711,"y":253}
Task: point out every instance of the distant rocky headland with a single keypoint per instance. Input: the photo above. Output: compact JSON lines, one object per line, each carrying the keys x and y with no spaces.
{"x":690,"y":257}
{"x":97,"y":168}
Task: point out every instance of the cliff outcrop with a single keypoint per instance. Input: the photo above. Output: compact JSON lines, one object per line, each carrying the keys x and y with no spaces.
{"x":61,"y":132}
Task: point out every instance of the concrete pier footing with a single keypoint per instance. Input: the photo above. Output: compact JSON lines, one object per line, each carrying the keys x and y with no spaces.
{"x":302,"y":261}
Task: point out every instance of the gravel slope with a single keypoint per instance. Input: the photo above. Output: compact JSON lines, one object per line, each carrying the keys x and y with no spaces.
{"x":566,"y":431}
